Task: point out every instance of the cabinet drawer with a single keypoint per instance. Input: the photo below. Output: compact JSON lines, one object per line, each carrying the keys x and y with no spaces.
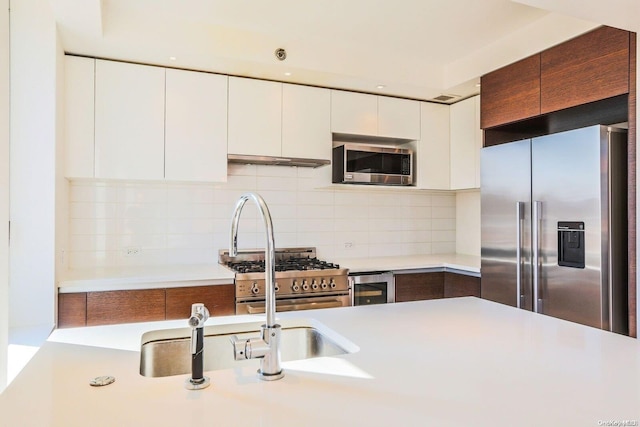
{"x":459,"y":285}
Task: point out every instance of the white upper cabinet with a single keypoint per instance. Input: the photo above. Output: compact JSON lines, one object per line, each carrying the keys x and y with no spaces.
{"x":398,"y":118}
{"x":255,"y":117}
{"x":363,"y":114}
{"x":466,"y":141}
{"x":79,"y":116}
{"x":195,"y":126}
{"x":433,"y":157}
{"x":306,"y":116}
{"x":129,"y":121}
{"x":354,"y":113}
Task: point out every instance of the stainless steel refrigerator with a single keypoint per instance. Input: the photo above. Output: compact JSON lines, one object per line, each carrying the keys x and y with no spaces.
{"x":554,"y":226}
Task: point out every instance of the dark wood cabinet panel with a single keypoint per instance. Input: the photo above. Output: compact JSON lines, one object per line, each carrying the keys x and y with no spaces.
{"x":419,"y":286}
{"x":111,"y":307}
{"x":459,"y":285}
{"x":219,"y":300}
{"x":72,"y":310}
{"x":510,"y":93}
{"x":588,"y":68}
{"x":631,"y":187}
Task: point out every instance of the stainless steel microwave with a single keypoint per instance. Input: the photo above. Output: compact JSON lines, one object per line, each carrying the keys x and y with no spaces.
{"x":357,"y":163}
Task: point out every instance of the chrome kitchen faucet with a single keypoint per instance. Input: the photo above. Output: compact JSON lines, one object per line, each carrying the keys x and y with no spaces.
{"x":267,"y":346}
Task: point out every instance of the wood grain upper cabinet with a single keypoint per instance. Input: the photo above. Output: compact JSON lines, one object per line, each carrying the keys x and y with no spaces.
{"x":306,"y":122}
{"x":195,"y":126}
{"x":129,"y":121}
{"x":255,"y":117}
{"x":398,"y":118}
{"x":510,"y":93}
{"x":588,"y":68}
{"x":354,"y":113}
{"x":79,"y":74}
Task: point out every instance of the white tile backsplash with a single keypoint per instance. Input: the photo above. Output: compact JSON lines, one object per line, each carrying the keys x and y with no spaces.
{"x":181,"y":223}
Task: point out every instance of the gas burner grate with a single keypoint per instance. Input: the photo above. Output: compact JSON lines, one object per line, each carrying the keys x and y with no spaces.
{"x":290,"y":264}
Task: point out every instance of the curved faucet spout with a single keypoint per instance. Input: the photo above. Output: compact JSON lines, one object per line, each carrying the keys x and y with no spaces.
{"x":270,"y":264}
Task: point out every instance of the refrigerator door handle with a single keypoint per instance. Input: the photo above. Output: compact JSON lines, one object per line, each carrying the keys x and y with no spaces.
{"x":519,"y":219}
{"x":537,"y":297}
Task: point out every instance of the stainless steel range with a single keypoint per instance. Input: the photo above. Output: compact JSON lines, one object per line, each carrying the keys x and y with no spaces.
{"x":303,"y":282}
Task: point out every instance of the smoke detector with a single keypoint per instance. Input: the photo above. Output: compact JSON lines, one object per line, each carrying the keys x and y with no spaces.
{"x":281,"y":54}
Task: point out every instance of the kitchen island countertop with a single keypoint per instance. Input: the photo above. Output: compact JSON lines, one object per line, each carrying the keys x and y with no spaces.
{"x":458,"y":361}
{"x":171,"y":276}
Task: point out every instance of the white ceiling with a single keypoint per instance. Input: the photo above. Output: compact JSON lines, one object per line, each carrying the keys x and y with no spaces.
{"x":415,"y":48}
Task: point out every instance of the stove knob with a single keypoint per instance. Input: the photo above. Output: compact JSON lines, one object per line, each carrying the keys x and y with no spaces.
{"x":277,"y":288}
{"x":332,"y":284}
{"x":295,"y":287}
{"x":255,"y":289}
{"x":314,"y":285}
{"x":324,"y":284}
{"x":305,"y":285}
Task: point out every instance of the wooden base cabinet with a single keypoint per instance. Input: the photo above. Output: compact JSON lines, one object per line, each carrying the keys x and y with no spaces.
{"x":142,"y":305}
{"x":425,"y":286}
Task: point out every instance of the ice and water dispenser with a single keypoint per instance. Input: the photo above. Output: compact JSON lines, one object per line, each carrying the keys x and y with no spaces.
{"x":571,"y":244}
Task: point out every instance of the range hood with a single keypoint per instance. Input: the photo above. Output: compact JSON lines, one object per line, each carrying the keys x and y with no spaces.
{"x":276,"y":161}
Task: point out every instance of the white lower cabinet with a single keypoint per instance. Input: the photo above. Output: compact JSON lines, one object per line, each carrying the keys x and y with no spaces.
{"x":195,"y":126}
{"x":129,"y":121}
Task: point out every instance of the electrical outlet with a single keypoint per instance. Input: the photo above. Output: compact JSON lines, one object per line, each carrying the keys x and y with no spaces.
{"x":132,"y":250}
{"x":348,"y":245}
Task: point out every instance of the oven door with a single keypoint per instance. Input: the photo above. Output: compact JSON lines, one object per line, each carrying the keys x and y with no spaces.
{"x":295,"y":304}
{"x":373,"y":288}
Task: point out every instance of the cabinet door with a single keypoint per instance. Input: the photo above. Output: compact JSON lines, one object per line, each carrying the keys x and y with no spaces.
{"x":129,"y":121}
{"x":398,"y":118}
{"x":195,"y":126}
{"x":354,"y":113}
{"x":79,"y":116}
{"x":419,"y":286}
{"x":306,"y":122}
{"x":433,"y":148}
{"x":112,"y":307}
{"x":219,"y":300}
{"x":72,"y":310}
{"x":511,"y":93}
{"x":588,"y":68}
{"x":464,"y":144}
{"x":459,"y":285}
{"x":255,"y":117}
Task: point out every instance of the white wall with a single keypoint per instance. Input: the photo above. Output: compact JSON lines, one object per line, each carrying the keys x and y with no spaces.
{"x":468,"y":222}
{"x":34,"y":132}
{"x":189,"y":223}
{"x":4,"y":190}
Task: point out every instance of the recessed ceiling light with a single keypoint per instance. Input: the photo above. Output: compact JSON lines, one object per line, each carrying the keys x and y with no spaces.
{"x":380,"y":87}
{"x":172,"y":58}
{"x":287,"y":73}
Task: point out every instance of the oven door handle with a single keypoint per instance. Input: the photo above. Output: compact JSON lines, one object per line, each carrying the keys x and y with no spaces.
{"x":292,"y":305}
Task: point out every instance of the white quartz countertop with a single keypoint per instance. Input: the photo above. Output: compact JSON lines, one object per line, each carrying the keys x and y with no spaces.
{"x":120,"y":278}
{"x":460,"y":361}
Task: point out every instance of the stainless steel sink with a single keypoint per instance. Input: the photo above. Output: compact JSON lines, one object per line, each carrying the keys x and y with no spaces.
{"x":166,"y":352}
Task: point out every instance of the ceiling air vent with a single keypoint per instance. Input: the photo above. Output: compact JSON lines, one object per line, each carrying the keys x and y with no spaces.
{"x":446,"y":98}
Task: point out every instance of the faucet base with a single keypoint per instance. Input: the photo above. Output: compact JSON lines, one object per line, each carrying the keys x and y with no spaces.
{"x":270,"y":377}
{"x":191,"y":384}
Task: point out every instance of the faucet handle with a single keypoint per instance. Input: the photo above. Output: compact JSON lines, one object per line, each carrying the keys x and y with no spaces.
{"x":199,"y":315}
{"x":239,"y":348}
